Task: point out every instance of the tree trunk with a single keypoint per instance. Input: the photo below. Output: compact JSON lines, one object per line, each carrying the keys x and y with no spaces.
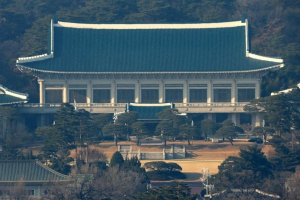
{"x":189,"y":143}
{"x":138,"y":140}
{"x":231,"y":140}
{"x":165,"y":141}
{"x":116,"y":140}
{"x":87,"y":153}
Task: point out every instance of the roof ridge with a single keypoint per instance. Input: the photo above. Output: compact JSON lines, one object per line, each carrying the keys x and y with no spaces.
{"x":230,"y":24}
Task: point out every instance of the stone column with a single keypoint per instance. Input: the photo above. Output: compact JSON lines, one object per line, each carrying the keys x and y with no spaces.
{"x":113,"y":92}
{"x":43,"y":120}
{"x":209,"y":92}
{"x":137,"y":92}
{"x":65,"y":92}
{"x":257,"y":119}
{"x":257,"y":89}
{"x":89,"y":92}
{"x":234,"y":118}
{"x":42,"y":91}
{"x":210,"y":116}
{"x":238,"y":119}
{"x":185,"y":91}
{"x":233,"y":92}
{"x":161,"y":92}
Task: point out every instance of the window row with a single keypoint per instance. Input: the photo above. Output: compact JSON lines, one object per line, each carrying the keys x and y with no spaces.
{"x":149,"y":95}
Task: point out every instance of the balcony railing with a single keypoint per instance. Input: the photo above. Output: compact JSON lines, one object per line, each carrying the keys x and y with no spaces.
{"x":118,"y":105}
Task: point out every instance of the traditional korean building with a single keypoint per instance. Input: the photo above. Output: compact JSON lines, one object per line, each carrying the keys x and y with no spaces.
{"x":36,"y":177}
{"x":205,"y":69}
{"x":8,"y":97}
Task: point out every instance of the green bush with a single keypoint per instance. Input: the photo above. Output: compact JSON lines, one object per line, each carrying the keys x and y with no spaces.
{"x":165,"y":175}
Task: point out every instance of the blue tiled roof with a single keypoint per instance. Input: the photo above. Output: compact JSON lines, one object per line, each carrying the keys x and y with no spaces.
{"x":7,"y":99}
{"x":27,"y":170}
{"x":149,"y":50}
{"x":8,"y":96}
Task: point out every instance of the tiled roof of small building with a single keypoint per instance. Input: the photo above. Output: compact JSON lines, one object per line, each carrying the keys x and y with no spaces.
{"x":8,"y":96}
{"x":218,"y":47}
{"x":148,"y":111}
{"x":27,"y":171}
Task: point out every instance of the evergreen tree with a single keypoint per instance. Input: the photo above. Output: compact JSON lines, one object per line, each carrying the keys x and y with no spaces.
{"x":140,"y":130}
{"x":116,"y":130}
{"x":116,"y":160}
{"x":208,"y":127}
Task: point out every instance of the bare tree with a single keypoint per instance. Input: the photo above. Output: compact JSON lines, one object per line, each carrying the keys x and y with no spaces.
{"x":293,"y":185}
{"x":89,"y":182}
{"x":119,"y":184}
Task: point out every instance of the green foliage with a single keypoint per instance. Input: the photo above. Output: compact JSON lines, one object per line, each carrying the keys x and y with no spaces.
{"x":208,"y":127}
{"x":162,"y":166}
{"x":7,"y":116}
{"x":116,"y":160}
{"x":140,"y":130}
{"x":264,"y":131}
{"x":286,"y":156}
{"x":188,"y":132}
{"x":160,"y":170}
{"x":100,"y":120}
{"x":132,"y":164}
{"x":248,"y":170}
{"x":228,"y":130}
{"x":127,"y":118}
{"x":60,"y":165}
{"x":116,"y":130}
{"x":165,"y":129}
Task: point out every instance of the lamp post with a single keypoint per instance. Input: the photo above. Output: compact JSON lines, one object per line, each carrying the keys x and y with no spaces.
{"x":205,"y":175}
{"x":162,"y":136}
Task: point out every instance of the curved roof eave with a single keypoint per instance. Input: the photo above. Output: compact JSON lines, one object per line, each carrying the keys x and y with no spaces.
{"x":21,"y":67}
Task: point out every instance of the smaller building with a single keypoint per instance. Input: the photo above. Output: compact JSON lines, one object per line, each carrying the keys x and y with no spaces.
{"x":8,"y":96}
{"x":37,"y":178}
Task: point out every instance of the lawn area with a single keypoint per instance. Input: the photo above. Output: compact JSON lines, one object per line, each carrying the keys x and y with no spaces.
{"x":199,"y":155}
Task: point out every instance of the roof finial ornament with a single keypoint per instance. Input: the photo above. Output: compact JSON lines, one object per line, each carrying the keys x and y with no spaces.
{"x":244,"y":17}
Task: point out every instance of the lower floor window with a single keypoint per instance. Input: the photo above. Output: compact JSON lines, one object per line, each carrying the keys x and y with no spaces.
{"x":245,"y":118}
{"x":78,"y":96}
{"x":125,"y":95}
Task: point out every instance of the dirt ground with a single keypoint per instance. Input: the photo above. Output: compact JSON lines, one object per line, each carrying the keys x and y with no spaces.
{"x":200,"y":154}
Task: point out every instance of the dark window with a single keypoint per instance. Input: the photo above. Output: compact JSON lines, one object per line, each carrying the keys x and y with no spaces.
{"x":221,"y":117}
{"x":149,"y":95}
{"x":198,"y":95}
{"x":101,"y":96}
{"x":125,"y":95}
{"x":78,"y":95}
{"x":245,"y":118}
{"x":174,"y":95}
{"x":53,"y":96}
{"x":222,"y":95}
{"x":246,"y":95}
